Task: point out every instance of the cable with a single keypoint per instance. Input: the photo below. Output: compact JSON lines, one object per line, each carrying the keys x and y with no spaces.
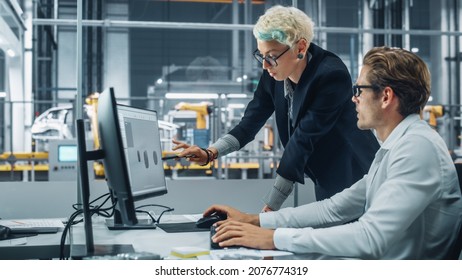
{"x":100,"y":211}
{"x":167,"y":209}
{"x":160,"y":216}
{"x":69,"y":223}
{"x":147,"y":213}
{"x":153,"y":205}
{"x":93,"y":210}
{"x":93,"y":201}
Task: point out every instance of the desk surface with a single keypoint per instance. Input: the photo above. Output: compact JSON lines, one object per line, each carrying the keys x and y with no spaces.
{"x":146,"y":240}
{"x":46,"y":246}
{"x":42,"y":246}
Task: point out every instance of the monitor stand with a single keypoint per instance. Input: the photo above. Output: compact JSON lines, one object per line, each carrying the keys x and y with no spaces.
{"x":116,"y":223}
{"x":90,"y":249}
{"x":142,"y":224}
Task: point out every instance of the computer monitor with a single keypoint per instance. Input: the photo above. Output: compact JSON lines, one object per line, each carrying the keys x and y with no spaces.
{"x":130,"y":140}
{"x":67,"y":153}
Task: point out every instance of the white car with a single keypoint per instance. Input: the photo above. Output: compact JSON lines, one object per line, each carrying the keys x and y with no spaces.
{"x":54,"y":124}
{"x":57,"y":124}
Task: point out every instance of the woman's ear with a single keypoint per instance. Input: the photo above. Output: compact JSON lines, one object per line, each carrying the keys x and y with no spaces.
{"x":302,"y":46}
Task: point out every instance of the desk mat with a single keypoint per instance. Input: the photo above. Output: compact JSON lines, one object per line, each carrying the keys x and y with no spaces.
{"x":181,"y":227}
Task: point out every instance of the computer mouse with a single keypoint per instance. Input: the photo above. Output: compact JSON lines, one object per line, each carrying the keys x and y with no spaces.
{"x":4,"y":232}
{"x":213,"y":245}
{"x":208,"y":221}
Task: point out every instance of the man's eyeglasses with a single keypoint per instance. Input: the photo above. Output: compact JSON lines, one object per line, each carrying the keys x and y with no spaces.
{"x":357,"y":89}
{"x":271,"y":60}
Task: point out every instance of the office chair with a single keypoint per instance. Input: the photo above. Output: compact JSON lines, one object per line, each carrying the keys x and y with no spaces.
{"x":454,"y":253}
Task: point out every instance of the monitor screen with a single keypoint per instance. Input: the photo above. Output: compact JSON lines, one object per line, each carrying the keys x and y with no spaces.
{"x":130,"y":140}
{"x":67,"y":153}
{"x":141,"y":143}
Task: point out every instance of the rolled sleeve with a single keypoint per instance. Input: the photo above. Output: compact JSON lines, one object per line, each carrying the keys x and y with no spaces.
{"x":226,"y":144}
{"x":279,"y":193}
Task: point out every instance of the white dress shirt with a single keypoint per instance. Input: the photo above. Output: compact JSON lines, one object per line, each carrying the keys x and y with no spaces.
{"x":408,"y":206}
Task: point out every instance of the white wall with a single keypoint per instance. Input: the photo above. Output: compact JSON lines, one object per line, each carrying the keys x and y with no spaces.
{"x":55,"y":199}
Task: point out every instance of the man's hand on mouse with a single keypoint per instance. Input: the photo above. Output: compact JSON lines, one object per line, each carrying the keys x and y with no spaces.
{"x":235,"y":233}
{"x":233,"y":214}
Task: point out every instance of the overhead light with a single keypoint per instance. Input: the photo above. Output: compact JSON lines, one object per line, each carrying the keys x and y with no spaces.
{"x":236,"y":106}
{"x":415,"y":50}
{"x":159,"y":81}
{"x":187,"y":95}
{"x":10,"y":52}
{"x":2,"y":94}
{"x":236,"y":95}
{"x":239,"y":80}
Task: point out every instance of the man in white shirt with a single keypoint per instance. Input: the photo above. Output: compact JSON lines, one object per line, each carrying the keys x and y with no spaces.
{"x":409,"y":204}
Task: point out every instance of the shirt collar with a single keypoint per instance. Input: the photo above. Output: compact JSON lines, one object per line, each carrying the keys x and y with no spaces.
{"x":399,"y":130}
{"x":288,"y":89}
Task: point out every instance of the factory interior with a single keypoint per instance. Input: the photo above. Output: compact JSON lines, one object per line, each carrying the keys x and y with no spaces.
{"x":194,"y":69}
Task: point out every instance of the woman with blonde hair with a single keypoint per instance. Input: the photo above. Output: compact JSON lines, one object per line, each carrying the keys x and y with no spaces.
{"x":309,"y":91}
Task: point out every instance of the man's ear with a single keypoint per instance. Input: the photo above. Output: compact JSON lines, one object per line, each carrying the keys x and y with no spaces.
{"x":389,"y":97}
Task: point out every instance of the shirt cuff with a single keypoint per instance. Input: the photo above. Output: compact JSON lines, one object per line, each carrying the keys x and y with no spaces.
{"x":282,"y":239}
{"x":279,"y":193}
{"x":226,"y":144}
{"x":267,"y":220}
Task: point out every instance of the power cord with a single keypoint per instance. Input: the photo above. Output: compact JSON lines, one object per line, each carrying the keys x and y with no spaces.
{"x":101,"y":212}
{"x":167,"y":209}
{"x":97,"y":209}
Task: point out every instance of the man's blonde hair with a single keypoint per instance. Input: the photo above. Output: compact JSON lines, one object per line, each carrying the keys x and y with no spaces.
{"x":287,"y":25}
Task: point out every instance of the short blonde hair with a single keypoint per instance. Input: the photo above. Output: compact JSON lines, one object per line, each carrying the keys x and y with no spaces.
{"x":287,"y":25}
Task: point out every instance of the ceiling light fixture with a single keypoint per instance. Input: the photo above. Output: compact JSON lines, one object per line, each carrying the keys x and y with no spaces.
{"x":190,"y":95}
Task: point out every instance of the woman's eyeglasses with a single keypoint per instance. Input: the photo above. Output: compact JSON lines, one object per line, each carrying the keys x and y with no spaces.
{"x":271,"y":60}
